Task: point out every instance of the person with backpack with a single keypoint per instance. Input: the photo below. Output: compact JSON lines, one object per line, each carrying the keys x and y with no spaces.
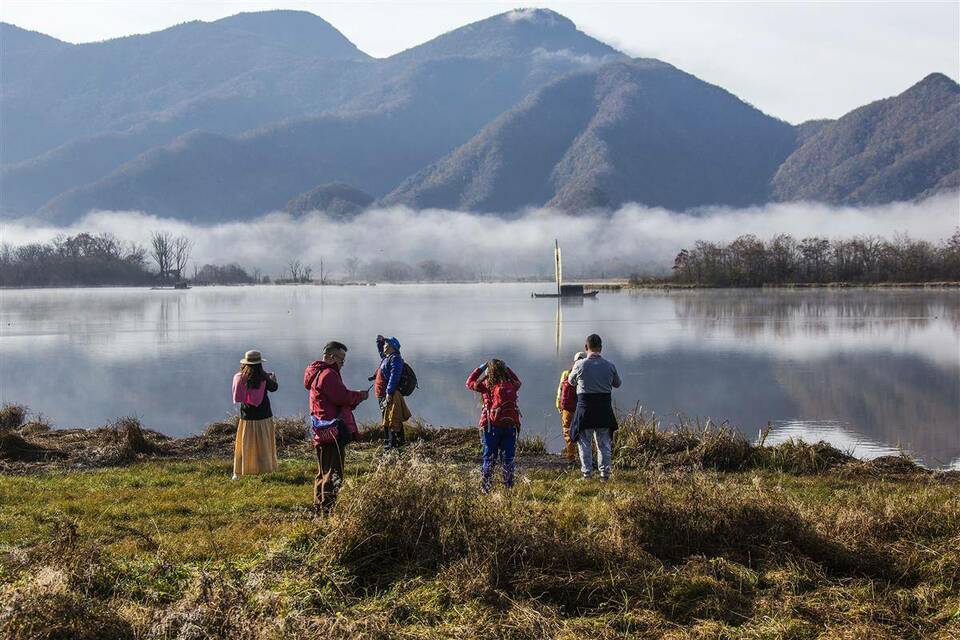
{"x":594,"y":419}
{"x":499,"y":387}
{"x":567,"y":405}
{"x":255,"y":449}
{"x":332,"y":423}
{"x":386,"y":386}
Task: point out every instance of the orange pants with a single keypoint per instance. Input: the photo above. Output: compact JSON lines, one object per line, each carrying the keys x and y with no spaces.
{"x":571,"y":449}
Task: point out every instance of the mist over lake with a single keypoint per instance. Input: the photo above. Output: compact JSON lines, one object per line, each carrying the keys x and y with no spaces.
{"x":867,"y":370}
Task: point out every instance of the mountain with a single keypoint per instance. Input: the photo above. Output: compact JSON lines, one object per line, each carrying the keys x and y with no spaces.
{"x":518,"y":32}
{"x":237,"y":117}
{"x":638,"y":131}
{"x":411,"y":110}
{"x":900,"y":148}
{"x":464,"y":92}
{"x":117,"y":84}
{"x":335,"y":199}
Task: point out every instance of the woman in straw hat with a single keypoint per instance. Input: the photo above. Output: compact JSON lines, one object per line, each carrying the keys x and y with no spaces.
{"x":255,"y":450}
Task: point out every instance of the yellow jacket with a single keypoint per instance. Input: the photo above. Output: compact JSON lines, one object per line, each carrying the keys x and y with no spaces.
{"x":563,"y":376}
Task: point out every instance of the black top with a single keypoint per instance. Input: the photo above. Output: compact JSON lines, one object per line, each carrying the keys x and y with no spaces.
{"x":261,"y":411}
{"x":594,"y":411}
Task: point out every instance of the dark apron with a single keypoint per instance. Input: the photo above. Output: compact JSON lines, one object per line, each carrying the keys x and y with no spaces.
{"x":594,"y":411}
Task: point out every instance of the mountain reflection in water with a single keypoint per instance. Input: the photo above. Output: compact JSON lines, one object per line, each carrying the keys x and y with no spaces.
{"x":869,"y":370}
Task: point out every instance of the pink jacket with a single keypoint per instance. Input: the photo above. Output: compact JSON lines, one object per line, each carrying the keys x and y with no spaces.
{"x":246,"y":395}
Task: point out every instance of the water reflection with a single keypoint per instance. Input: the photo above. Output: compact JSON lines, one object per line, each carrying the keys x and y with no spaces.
{"x":881,"y":368}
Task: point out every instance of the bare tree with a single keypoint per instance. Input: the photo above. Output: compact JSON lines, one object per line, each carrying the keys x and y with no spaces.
{"x":256,"y":275}
{"x":305,"y":273}
{"x":182,"y":246}
{"x":161,"y":250}
{"x":353,"y":266}
{"x":295,"y":269}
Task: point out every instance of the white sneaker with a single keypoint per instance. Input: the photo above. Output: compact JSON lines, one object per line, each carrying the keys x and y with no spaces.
{"x":235,"y":477}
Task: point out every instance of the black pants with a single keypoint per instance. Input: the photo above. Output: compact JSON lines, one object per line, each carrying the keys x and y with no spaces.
{"x":393,"y":439}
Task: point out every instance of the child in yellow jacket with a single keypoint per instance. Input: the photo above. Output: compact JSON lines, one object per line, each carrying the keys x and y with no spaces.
{"x":566,"y":405}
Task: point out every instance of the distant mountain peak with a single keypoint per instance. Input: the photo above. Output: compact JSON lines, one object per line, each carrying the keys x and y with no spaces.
{"x":298,"y":29}
{"x":545,"y":17}
{"x":895,"y":149}
{"x":516,"y":32}
{"x":935,"y":81}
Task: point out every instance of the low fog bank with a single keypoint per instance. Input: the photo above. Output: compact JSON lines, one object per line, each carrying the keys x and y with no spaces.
{"x":399,"y":243}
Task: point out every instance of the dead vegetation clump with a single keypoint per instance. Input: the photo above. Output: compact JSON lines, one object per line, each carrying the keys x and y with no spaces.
{"x":123,"y":442}
{"x":12,"y":417}
{"x":641,"y":442}
{"x":46,"y":608}
{"x":221,"y":428}
{"x":16,"y":448}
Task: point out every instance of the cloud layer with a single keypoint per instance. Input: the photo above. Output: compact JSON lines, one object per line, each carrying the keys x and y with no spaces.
{"x":631,"y":239}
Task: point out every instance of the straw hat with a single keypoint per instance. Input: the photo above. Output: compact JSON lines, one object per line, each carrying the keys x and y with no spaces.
{"x":252,"y":357}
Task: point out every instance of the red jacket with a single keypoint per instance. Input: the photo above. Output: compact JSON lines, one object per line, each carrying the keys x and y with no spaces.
{"x":481,"y":387}
{"x":328,"y":395}
{"x":568,"y":395}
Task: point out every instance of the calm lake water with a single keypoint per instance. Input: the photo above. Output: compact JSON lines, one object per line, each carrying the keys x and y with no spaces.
{"x":868,"y":370}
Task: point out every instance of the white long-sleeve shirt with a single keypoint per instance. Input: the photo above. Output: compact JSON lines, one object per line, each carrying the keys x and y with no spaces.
{"x":594,"y":374}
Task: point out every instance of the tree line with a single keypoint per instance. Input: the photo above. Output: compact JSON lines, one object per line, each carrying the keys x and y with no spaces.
{"x":749,"y":261}
{"x":102,"y":259}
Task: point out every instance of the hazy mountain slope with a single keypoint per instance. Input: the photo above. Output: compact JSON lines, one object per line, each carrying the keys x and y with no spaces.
{"x":336,"y":199}
{"x":899,"y":148}
{"x":253,"y":100}
{"x":113,"y":85}
{"x":15,"y":40}
{"x":276,"y":92}
{"x":425,"y":114}
{"x":631,"y":131}
{"x":414,"y":111}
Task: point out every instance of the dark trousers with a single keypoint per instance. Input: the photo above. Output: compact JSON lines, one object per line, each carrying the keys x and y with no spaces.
{"x":329,"y":476}
{"x":393,"y":439}
{"x":498,"y":443}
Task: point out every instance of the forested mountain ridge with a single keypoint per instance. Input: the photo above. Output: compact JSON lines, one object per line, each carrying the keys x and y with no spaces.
{"x":637,"y":131}
{"x":899,"y":148}
{"x":240,"y":116}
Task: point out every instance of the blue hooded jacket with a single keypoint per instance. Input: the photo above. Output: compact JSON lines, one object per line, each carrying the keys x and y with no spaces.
{"x":391,"y":366}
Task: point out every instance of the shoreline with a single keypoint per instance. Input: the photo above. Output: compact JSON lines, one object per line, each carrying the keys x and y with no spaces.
{"x":36,"y":447}
{"x":606,"y":286}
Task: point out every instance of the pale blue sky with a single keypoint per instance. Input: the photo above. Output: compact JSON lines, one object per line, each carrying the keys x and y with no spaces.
{"x":794,"y":60}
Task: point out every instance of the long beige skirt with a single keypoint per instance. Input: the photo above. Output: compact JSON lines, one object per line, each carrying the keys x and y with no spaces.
{"x":256,"y":448}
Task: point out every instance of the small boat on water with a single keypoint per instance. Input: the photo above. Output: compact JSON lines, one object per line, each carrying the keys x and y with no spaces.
{"x":564,"y":290}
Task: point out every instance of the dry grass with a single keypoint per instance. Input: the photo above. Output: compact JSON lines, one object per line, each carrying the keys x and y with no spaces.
{"x":12,"y":417}
{"x":414,"y":550}
{"x":701,"y":535}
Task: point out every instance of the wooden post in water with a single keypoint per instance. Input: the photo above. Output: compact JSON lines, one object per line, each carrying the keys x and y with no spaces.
{"x":558,"y":268}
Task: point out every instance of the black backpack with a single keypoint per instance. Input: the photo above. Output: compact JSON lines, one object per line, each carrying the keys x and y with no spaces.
{"x":408,"y":380}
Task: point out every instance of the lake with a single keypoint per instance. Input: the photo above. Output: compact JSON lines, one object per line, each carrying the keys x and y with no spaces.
{"x":868,"y":370}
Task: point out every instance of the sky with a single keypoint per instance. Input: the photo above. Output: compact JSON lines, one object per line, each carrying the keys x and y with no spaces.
{"x":794,"y":60}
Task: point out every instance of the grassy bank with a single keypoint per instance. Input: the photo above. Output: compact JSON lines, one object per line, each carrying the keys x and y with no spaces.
{"x":701,"y":535}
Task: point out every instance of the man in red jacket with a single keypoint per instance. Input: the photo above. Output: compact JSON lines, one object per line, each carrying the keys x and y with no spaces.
{"x":330,"y":400}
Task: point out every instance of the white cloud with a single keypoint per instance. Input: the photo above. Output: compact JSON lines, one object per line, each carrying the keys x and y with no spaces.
{"x":632,"y":238}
